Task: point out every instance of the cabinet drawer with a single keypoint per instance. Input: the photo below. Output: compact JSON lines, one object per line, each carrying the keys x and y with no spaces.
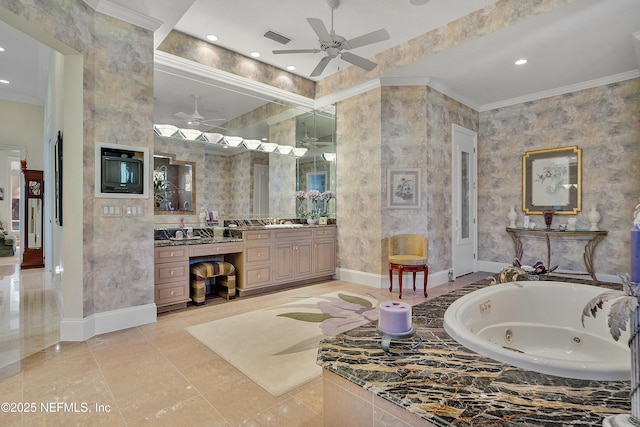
{"x":293,"y":233}
{"x":171,"y":254}
{"x":257,"y":254}
{"x":256,"y":276}
{"x":322,"y":232}
{"x":254,"y":236}
{"x":172,"y":272}
{"x":171,"y":293}
{"x":215,"y":249}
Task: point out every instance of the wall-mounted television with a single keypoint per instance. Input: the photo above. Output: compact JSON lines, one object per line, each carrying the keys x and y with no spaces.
{"x":121,"y":172}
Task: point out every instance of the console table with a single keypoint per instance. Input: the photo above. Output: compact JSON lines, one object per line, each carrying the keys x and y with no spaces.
{"x":593,"y":238}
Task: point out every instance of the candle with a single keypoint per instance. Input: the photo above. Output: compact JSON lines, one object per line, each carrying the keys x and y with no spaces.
{"x":635,"y":254}
{"x":395,"y":317}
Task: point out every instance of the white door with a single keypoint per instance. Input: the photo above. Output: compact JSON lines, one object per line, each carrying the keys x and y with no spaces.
{"x":465,"y":200}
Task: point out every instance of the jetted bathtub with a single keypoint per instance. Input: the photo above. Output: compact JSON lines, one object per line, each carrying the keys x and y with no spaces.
{"x":536,"y":326}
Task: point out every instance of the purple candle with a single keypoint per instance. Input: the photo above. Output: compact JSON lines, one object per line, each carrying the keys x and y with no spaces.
{"x":395,"y":317}
{"x":635,"y":254}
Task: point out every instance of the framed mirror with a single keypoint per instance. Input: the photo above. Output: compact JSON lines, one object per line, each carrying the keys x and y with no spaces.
{"x":33,"y":254}
{"x":174,"y":186}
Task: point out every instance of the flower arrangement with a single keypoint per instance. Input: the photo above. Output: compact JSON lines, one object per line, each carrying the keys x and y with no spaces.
{"x":314,"y":196}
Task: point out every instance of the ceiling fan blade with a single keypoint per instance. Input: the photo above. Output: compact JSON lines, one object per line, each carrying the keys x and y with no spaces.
{"x":184,"y":116}
{"x":321,"y":66}
{"x":369,"y":38}
{"x":320,"y":29}
{"x":279,"y":52}
{"x":358,"y":61}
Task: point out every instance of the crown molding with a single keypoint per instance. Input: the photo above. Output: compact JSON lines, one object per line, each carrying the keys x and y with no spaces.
{"x":125,"y":14}
{"x":405,"y":81}
{"x":446,"y":90}
{"x":190,"y":69}
{"x":562,"y":90}
{"x":347,"y":93}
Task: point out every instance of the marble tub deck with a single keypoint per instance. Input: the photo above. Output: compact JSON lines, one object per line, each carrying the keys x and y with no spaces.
{"x":446,"y":384}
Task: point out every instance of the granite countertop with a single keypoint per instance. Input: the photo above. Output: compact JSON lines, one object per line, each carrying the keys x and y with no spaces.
{"x":200,"y":241}
{"x":447,"y":384}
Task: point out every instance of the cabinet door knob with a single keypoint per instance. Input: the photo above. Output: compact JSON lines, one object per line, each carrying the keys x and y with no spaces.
{"x":259,"y":275}
{"x":259,"y":254}
{"x":172,"y":272}
{"x":173,"y":293}
{"x":171,"y":254}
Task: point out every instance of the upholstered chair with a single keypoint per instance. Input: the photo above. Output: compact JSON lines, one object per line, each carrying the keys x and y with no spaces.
{"x":408,"y":252}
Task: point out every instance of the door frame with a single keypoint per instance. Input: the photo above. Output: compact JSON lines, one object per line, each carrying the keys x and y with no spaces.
{"x":474,"y":194}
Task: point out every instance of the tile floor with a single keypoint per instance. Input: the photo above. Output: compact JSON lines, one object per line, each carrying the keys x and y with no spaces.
{"x":154,"y":374}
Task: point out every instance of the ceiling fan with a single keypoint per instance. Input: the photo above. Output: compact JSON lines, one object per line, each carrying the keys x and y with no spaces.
{"x":196,"y":119}
{"x":310,"y":141}
{"x":335,"y":45}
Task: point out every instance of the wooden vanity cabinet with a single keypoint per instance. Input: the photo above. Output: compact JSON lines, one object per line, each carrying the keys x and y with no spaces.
{"x":324,"y":251}
{"x":285,"y":257}
{"x":293,"y":255}
{"x":171,"y":275}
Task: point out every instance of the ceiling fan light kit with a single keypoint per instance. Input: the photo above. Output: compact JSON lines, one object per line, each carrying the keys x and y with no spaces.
{"x":337,"y":46}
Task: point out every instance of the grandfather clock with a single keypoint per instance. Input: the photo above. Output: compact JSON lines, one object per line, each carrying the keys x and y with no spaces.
{"x":33,"y":254}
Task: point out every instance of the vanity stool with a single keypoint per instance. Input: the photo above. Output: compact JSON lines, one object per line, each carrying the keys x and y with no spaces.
{"x":408,"y":252}
{"x":225,"y":274}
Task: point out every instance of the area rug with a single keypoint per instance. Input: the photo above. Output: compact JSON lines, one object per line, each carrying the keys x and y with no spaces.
{"x":277,"y":347}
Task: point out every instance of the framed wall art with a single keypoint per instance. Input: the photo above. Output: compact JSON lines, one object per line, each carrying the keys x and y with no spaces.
{"x":403,"y":188}
{"x":552,"y":181}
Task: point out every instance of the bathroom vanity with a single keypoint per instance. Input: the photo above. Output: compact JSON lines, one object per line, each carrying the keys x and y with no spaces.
{"x":264,"y":258}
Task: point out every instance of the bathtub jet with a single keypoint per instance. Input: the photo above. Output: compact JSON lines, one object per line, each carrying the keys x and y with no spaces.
{"x":537,"y":326}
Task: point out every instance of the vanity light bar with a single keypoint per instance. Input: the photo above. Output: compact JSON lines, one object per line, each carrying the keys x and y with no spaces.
{"x":170,"y":131}
{"x":329,"y":157}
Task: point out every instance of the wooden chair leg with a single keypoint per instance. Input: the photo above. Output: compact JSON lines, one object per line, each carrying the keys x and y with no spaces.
{"x":390,"y":278}
{"x":414,"y":281}
{"x":400,"y":273}
{"x":426,"y":277}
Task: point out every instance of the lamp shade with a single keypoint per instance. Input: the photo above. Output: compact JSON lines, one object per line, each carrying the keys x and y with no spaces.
{"x":269,"y":147}
{"x":190,"y":134}
{"x":233,"y":141}
{"x":212,"y":138}
{"x":165,"y":130}
{"x":300,"y":151}
{"x":329,"y":157}
{"x":285,"y":149}
{"x":251,"y":144}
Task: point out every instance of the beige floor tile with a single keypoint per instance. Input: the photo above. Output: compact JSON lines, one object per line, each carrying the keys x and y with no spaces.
{"x":155,"y":374}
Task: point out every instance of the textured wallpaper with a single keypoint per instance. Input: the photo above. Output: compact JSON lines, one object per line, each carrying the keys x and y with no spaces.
{"x":605,"y":123}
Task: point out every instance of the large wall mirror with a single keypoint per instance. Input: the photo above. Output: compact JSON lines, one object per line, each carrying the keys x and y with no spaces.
{"x":250,"y":151}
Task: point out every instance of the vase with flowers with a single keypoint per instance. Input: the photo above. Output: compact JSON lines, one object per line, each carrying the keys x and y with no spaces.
{"x":327,"y":196}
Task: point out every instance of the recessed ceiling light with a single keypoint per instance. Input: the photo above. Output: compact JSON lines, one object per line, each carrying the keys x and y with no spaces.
{"x":4,"y":81}
{"x":291,"y":67}
{"x":1,"y":49}
{"x":255,"y":54}
{"x":521,"y":61}
{"x":212,"y":38}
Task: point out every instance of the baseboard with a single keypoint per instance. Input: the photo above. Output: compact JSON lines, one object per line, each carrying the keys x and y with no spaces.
{"x":109,"y":321}
{"x":381,"y":281}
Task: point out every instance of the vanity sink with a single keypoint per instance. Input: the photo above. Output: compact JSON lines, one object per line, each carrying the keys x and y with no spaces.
{"x":282,"y":225}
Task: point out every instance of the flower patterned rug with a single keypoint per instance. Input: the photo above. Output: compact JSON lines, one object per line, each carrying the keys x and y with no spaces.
{"x":277,"y":347}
